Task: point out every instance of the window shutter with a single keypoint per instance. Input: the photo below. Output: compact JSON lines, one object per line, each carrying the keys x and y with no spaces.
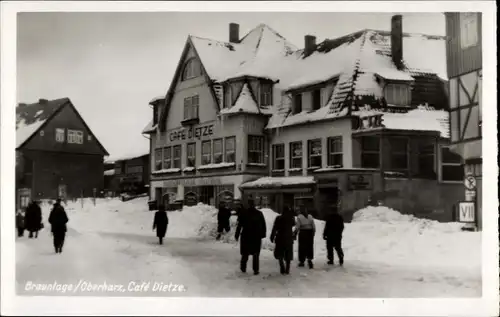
{"x":219,"y":94}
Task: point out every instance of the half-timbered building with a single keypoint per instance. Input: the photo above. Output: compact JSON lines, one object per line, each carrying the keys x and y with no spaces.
{"x":344,"y":122}
{"x":57,"y":155}
{"x":464,"y":65}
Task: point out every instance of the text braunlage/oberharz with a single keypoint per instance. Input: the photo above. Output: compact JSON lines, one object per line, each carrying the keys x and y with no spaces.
{"x":87,"y":286}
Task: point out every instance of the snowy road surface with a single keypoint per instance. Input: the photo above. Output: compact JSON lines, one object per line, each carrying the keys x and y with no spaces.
{"x":125,"y":252}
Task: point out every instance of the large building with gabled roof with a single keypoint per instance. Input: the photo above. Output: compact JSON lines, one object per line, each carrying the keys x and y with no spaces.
{"x":347,"y":121}
{"x":57,"y":154}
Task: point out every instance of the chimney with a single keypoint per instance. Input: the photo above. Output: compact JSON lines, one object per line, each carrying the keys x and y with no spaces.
{"x":309,"y":44}
{"x":234,"y":32}
{"x":43,"y":101}
{"x":397,"y":40}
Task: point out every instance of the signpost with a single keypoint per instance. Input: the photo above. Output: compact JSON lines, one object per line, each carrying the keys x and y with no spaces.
{"x":467,"y":212}
{"x":467,"y":209}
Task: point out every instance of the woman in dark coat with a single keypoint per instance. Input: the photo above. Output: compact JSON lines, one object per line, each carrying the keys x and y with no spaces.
{"x":252,"y":227}
{"x":223,"y":217}
{"x":58,"y":219}
{"x":160,"y":223}
{"x":282,"y":235}
{"x":20,"y":223}
{"x":33,"y":218}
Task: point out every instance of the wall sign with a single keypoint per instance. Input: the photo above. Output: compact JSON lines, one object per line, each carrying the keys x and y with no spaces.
{"x":466,"y":212}
{"x":470,"y":182}
{"x":199,"y":181}
{"x":192,"y":133}
{"x":359,"y":182}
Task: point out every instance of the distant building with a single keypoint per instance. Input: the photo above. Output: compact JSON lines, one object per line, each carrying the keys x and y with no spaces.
{"x":57,"y":155}
{"x":465,"y":70}
{"x":130,"y":174}
{"x":348,"y":122}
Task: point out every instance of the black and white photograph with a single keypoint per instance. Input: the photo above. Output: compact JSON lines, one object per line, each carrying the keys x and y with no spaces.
{"x":225,"y":153}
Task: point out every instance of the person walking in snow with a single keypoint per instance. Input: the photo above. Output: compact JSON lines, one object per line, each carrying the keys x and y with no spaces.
{"x":223,"y":217}
{"x":334,"y":227}
{"x":58,"y":220}
{"x":20,"y":223}
{"x":282,"y":236}
{"x":33,"y":218}
{"x":305,"y":228}
{"x":252,"y":228}
{"x":160,"y":223}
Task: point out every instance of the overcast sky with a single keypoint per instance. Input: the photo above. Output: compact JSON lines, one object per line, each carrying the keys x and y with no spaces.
{"x":112,"y":64}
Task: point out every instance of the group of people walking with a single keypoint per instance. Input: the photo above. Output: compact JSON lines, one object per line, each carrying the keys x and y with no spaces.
{"x":252,"y":229}
{"x":32,"y":222}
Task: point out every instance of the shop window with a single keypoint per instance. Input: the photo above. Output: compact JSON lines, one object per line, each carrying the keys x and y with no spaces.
{"x":266,"y":94}
{"x":370,"y":152}
{"x":426,"y":161}
{"x":398,"y":94}
{"x":468,"y":29}
{"x":191,"y":155}
{"x":335,"y":151}
{"x":316,"y":99}
{"x":206,"y":152}
{"x":255,"y":149}
{"x":278,"y":156}
{"x":230,"y":149}
{"x":314,"y":153}
{"x":191,"y":106}
{"x":60,"y":135}
{"x":75,"y":136}
{"x":158,"y":160}
{"x":167,"y":157}
{"x":218,"y":153}
{"x":177,"y":156}
{"x":297,"y":104}
{"x":451,"y":165}
{"x":192,"y":69}
{"x":296,"y":155}
{"x":399,"y":154}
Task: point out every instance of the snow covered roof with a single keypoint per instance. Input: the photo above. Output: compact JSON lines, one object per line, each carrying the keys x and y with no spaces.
{"x":150,"y":127}
{"x":132,"y":154}
{"x":278,"y":182}
{"x":110,"y":172}
{"x":156,"y":99}
{"x":420,"y":119}
{"x":30,"y":117}
{"x":244,"y":104}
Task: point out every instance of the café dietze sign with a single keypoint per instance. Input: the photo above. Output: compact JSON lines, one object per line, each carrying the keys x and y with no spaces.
{"x":192,"y":133}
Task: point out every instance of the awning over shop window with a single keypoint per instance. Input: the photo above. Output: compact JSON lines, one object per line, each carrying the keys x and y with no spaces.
{"x":279,"y":183}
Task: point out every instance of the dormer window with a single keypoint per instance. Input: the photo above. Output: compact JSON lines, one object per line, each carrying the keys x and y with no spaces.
{"x":316,"y":99}
{"x":398,"y":94}
{"x":155,"y":114}
{"x":192,"y":69}
{"x":297,"y":104}
{"x":266,"y":94}
{"x":468,"y":29}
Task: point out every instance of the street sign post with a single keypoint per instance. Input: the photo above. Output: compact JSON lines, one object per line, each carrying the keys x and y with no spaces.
{"x":470,"y":182}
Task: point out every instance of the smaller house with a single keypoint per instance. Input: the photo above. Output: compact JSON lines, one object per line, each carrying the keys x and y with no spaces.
{"x":57,"y":154}
{"x":129,"y":174}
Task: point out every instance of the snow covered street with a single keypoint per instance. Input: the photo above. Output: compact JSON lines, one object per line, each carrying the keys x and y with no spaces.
{"x":113,"y":243}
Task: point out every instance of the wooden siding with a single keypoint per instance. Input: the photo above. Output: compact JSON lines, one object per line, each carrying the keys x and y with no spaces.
{"x":461,"y":61}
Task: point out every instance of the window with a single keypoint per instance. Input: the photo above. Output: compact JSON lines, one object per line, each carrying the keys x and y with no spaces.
{"x":167,"y":157}
{"x":399,"y":153}
{"x":206,"y":152}
{"x":134,"y":169}
{"x":452,"y":169}
{"x":255,"y":149}
{"x":158,"y":159}
{"x":266,"y":94}
{"x":398,"y":94}
{"x":335,"y":151}
{"x":296,"y":155}
{"x":192,"y":69}
{"x":191,"y":105}
{"x":60,"y":135}
{"x":468,"y":29}
{"x":75,"y":136}
{"x":314,"y":151}
{"x":370,"y":151}
{"x":155,"y":114}
{"x":426,"y":161}
{"x":230,"y":150}
{"x":177,"y":156}
{"x":297,"y":103}
{"x":218,"y":153}
{"x":278,"y":156}
{"x":316,"y":99}
{"x":191,"y":155}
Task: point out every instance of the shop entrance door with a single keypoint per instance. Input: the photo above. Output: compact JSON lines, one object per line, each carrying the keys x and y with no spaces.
{"x":207,"y":195}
